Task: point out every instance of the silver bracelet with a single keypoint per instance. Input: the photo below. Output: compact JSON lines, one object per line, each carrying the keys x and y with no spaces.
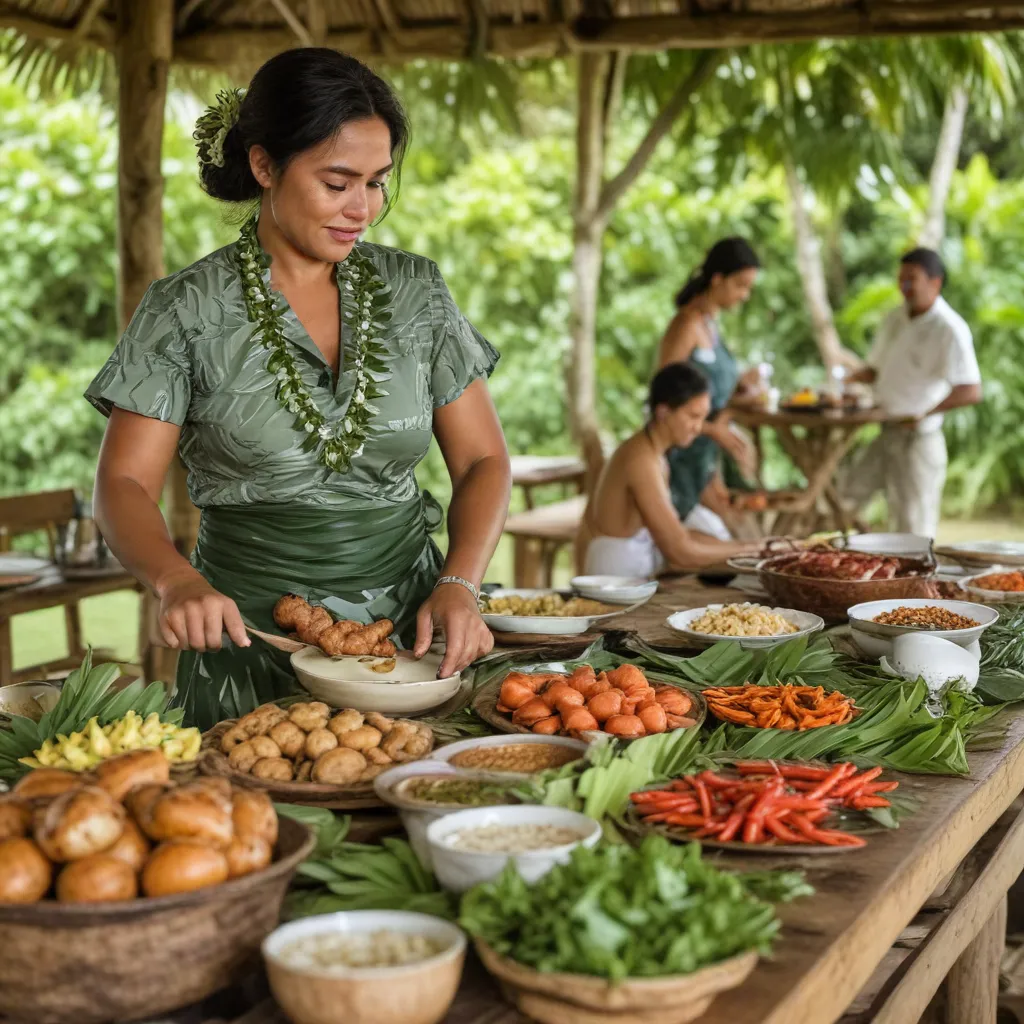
{"x":461,"y":582}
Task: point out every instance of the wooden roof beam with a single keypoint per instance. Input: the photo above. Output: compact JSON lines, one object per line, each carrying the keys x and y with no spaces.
{"x":97,"y":31}
{"x":88,"y":16}
{"x":293,"y":21}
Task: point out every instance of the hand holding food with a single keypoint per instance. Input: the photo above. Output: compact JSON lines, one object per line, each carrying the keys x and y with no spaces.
{"x":127,"y":829}
{"x":336,"y":639}
{"x":194,"y":616}
{"x":306,"y":743}
{"x":620,"y":702}
{"x":453,"y":609}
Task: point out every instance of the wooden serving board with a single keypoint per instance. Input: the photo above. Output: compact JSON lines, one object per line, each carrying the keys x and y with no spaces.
{"x":359,"y":796}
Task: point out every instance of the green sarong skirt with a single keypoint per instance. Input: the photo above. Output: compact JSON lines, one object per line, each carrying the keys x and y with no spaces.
{"x":362,"y":564}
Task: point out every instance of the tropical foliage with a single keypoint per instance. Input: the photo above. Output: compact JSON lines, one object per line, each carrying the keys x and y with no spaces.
{"x":493,"y":210}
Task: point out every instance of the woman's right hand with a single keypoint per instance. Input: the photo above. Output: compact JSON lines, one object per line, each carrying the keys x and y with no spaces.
{"x":194,"y":616}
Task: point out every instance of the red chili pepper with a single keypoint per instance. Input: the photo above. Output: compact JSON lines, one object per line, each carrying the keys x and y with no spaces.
{"x":836,"y":775}
{"x":713,"y":781}
{"x":856,"y":782}
{"x":703,"y":796}
{"x":735,"y":819}
{"x":799,"y":803}
{"x":862,"y":803}
{"x":686,"y":820}
{"x":780,"y":831}
{"x":787,"y":771}
{"x":880,"y":787}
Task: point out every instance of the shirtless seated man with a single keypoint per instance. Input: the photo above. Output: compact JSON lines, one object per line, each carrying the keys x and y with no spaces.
{"x":630,"y":526}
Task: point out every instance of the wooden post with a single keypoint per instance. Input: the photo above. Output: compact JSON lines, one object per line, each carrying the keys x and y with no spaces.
{"x":972,"y":986}
{"x":145,"y":45}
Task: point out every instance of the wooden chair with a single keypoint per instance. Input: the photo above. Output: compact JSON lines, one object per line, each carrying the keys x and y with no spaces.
{"x":538,"y":535}
{"x":50,"y":513}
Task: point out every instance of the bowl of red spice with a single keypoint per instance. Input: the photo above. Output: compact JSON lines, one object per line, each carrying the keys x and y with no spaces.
{"x":997,"y":585}
{"x":963,"y":622}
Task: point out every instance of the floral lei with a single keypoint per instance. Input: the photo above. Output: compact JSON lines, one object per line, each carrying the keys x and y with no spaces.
{"x":364,"y":303}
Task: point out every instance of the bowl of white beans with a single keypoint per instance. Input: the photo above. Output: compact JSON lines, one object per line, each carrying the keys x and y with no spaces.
{"x":365,"y":967}
{"x":473,"y":846}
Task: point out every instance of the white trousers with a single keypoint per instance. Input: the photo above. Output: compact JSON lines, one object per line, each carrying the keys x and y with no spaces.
{"x":911,"y":469}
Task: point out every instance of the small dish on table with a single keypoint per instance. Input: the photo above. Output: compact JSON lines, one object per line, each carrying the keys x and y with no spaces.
{"x":989,"y":587}
{"x":314,"y":990}
{"x":546,"y":612}
{"x":874,"y":638}
{"x":803,"y":623}
{"x":615,"y":589}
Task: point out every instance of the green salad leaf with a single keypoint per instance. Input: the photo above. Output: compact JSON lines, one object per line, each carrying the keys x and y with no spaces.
{"x":621,"y":912}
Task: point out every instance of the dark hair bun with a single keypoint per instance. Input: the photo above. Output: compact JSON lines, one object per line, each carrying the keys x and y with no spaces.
{"x":298,"y":100}
{"x":727,"y":256}
{"x":234,"y":182}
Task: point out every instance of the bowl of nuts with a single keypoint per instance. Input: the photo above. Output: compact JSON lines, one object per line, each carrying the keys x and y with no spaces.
{"x":962,"y":622}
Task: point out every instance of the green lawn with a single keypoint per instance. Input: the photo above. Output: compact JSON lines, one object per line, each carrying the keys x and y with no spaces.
{"x":112,"y":621}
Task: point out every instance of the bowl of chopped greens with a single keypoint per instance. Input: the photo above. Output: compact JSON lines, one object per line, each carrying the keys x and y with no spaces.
{"x":624,"y":933}
{"x":423,"y":791}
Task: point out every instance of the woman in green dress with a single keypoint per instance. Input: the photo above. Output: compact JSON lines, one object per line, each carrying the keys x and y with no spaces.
{"x":300,"y":374}
{"x":723,"y":281}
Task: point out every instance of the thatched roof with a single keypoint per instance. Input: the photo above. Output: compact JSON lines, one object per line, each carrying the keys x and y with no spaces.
{"x":241,"y":32}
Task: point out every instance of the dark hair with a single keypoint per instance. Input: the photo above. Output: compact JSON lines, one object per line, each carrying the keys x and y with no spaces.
{"x":727,"y":256}
{"x":674,"y":385}
{"x":298,"y":100}
{"x":928,"y":260}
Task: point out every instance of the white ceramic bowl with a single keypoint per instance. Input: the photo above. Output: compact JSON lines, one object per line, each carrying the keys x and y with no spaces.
{"x":933,"y":659}
{"x":415,"y":816}
{"x":552,"y":625}
{"x":902,"y":545}
{"x":615,"y":589}
{"x":459,"y":870}
{"x":449,"y":750}
{"x":875,"y":647}
{"x":862,"y":619}
{"x":992,"y":596}
{"x":414,"y":993}
{"x":805,"y":622}
{"x":410,"y":687}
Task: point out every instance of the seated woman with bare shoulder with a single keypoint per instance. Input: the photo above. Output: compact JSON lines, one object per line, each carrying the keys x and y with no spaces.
{"x":631,"y":527}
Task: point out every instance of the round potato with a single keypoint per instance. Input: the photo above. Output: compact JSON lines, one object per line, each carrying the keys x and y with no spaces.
{"x":339,"y":767}
{"x":277,"y":768}
{"x":243,"y":757}
{"x":289,"y":738}
{"x":362,"y":738}
{"x":318,"y":742}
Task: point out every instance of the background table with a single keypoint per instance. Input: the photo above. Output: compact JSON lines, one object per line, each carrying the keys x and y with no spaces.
{"x":530,"y":471}
{"x":816,"y":442}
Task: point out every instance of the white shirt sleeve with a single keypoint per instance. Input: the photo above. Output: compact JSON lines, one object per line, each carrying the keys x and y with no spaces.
{"x":961,"y":362}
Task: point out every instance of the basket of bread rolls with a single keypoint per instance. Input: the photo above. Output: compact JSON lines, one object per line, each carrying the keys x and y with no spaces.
{"x":124,"y":894}
{"x":307,"y":753}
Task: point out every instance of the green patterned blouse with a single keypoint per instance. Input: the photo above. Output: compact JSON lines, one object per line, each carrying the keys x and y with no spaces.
{"x":188,"y":357}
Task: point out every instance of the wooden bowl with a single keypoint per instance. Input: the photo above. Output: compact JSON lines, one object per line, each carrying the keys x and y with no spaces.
{"x":356,"y":797}
{"x":97,"y":963}
{"x":554,"y":998}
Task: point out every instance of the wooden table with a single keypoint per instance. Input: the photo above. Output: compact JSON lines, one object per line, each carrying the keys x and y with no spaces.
{"x":530,"y":471}
{"x":816,"y":442}
{"x":52,"y":590}
{"x":832,"y":942}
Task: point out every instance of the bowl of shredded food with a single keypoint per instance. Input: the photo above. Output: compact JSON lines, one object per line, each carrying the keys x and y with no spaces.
{"x":996,"y":586}
{"x":552,"y":612}
{"x":752,"y":626}
{"x":365,"y":967}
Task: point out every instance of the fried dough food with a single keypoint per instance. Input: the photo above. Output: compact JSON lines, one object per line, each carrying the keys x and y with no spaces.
{"x":308,"y":744}
{"x":315,"y":626}
{"x":620,"y":702}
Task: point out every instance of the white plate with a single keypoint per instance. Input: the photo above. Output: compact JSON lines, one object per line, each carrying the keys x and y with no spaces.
{"x":16,"y":565}
{"x":805,"y":622}
{"x":350,"y":682}
{"x":992,"y":596}
{"x":551,"y":625}
{"x":615,"y":589}
{"x":862,"y":618}
{"x":902,"y":545}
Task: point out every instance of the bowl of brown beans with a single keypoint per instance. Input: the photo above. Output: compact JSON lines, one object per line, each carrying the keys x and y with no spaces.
{"x":963,"y":622}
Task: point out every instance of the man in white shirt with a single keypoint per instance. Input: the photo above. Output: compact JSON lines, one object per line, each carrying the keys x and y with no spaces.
{"x":922,"y":364}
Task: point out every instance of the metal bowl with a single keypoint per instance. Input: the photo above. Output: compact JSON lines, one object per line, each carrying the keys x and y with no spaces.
{"x":28,"y":700}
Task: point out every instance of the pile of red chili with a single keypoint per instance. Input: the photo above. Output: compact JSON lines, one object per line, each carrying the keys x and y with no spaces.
{"x":765,"y":802}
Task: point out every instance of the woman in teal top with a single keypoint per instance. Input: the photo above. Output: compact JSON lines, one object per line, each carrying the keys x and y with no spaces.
{"x":300,"y":374}
{"x":722,"y":281}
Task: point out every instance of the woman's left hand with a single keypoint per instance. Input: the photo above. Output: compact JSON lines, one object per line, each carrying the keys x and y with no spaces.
{"x":452,"y":607}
